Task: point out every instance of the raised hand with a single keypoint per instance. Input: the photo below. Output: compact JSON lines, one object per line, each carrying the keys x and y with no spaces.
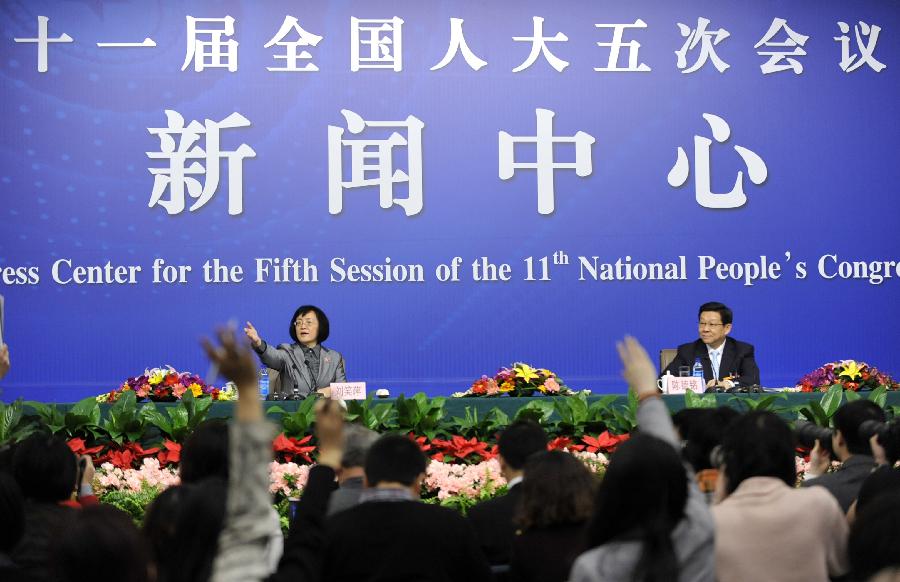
{"x":252,"y":334}
{"x":639,"y":370}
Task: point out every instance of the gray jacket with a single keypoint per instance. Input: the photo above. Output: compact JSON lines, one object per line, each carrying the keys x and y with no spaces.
{"x":692,"y":537}
{"x":289,"y":361}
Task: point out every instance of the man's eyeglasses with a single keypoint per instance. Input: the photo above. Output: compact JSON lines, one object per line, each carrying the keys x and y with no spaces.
{"x":703,"y":324}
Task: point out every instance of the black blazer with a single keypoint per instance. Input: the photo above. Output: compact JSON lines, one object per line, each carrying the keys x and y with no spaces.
{"x":492,"y":521}
{"x":401,"y":541}
{"x":737,"y":358}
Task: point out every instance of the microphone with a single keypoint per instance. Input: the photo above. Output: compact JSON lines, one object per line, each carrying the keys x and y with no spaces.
{"x":296,"y":393}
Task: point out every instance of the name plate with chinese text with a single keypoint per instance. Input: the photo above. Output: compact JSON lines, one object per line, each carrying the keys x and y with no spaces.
{"x":681,"y":385}
{"x":348,"y":390}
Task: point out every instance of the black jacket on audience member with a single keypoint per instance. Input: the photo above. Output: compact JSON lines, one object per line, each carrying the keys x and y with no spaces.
{"x":845,"y":483}
{"x":401,"y":541}
{"x":546,"y":554}
{"x":493,"y":524}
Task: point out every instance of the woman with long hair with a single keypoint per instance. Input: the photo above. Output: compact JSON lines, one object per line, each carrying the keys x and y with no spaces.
{"x":651,"y":522}
{"x":557,"y":501}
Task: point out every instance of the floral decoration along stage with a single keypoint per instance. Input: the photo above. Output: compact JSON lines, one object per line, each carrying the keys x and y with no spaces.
{"x":518,"y":380}
{"x":849,"y":374}
{"x":168,"y":385}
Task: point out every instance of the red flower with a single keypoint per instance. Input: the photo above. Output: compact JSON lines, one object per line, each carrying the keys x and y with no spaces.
{"x":806,"y":388}
{"x":851,"y":386}
{"x":126,"y":456}
{"x":170,"y":455}
{"x":421,"y":441}
{"x":170,"y":380}
{"x":604,"y":442}
{"x":460,"y":448}
{"x":290,"y":447}
{"x":562,"y":443}
{"x":77,"y":446}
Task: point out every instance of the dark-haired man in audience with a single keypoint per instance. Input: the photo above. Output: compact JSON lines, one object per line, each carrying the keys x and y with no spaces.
{"x":351,"y":476}
{"x":850,"y":448}
{"x":727,"y":363}
{"x":391,"y":535}
{"x":493,"y":519}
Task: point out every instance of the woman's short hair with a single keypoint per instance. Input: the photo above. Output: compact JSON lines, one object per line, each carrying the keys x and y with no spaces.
{"x":557,"y":489}
{"x":324,"y":328}
{"x":758,"y":444}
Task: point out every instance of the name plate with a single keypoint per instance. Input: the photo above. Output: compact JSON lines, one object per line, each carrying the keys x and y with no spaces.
{"x":677,"y":385}
{"x":348,"y":390}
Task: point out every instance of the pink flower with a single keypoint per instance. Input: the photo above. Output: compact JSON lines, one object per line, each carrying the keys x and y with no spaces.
{"x":178,"y":390}
{"x":551,"y":385}
{"x":491,"y":387}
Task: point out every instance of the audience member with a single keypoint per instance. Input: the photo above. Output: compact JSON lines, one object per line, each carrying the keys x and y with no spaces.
{"x":766,"y":528}
{"x":46,"y":471}
{"x":875,"y":536}
{"x":650,"y":523}
{"x":392,"y":535}
{"x":351,"y":475}
{"x":492,"y":520}
{"x":240,"y":553}
{"x":205,"y":455}
{"x":850,"y":448}
{"x":12,"y":526}
{"x":102,"y":544}
{"x":556,"y":502}
{"x":701,"y":431}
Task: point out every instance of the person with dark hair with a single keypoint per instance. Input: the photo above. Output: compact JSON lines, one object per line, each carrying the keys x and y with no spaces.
{"x":557,"y":501}
{"x":205,"y":456}
{"x":850,"y":448}
{"x":493,"y":519}
{"x":12,"y":526}
{"x":392,"y":534}
{"x":701,"y":431}
{"x":764,"y":522}
{"x":875,"y":536}
{"x":727,"y":363}
{"x":46,"y":471}
{"x":351,"y":476}
{"x":304,"y":366}
{"x":650,"y":522}
{"x":102,"y":544}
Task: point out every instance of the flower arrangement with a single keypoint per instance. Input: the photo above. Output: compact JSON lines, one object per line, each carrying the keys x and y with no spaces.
{"x":518,"y":380}
{"x":849,"y":374}
{"x":168,"y":385}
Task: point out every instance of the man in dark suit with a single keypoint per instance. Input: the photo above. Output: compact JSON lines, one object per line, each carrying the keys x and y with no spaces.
{"x":493,"y":519}
{"x":391,"y":535}
{"x":727,"y":363}
{"x":850,"y":448}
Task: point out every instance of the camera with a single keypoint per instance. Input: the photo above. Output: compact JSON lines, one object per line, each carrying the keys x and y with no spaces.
{"x":807,"y":433}
{"x":888,"y":434}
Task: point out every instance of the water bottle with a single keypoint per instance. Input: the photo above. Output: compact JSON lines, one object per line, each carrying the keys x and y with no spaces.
{"x":263,"y":382}
{"x":697,"y":371}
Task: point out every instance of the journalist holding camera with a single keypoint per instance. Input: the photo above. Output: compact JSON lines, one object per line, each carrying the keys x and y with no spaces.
{"x":850,"y":446}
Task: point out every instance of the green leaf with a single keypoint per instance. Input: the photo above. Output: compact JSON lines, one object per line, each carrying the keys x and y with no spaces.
{"x":879,"y":396}
{"x":832,"y":400}
{"x":851,"y":396}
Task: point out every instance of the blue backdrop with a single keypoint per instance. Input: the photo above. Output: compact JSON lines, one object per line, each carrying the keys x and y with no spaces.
{"x":75,"y":186}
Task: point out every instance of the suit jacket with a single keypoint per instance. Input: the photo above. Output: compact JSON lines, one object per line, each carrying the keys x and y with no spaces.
{"x":846,"y":482}
{"x":494,"y":529}
{"x":289,"y":360}
{"x":737,"y":358}
{"x":401,"y":541}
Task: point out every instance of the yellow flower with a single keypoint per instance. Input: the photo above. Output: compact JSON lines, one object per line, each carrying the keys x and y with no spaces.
{"x":507,"y":387}
{"x":851,"y":370}
{"x":526,"y":372}
{"x":156,"y":377}
{"x":195,"y":389}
